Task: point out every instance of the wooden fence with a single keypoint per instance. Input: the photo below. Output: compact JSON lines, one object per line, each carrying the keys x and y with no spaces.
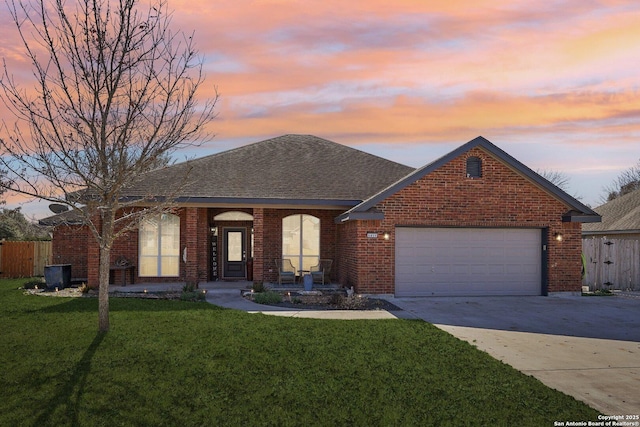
{"x":24,"y":259}
{"x":611,"y":263}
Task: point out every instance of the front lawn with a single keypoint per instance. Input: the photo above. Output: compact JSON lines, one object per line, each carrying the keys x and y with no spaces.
{"x":176,"y":363}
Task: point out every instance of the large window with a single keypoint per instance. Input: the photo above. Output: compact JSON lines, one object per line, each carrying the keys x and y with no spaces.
{"x":160,"y":246}
{"x":301,"y":240}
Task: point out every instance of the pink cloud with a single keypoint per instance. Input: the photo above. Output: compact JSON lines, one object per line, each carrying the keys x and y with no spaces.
{"x":412,"y":71}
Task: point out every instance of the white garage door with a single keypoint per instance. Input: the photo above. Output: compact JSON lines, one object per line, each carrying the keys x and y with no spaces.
{"x":467,"y":261}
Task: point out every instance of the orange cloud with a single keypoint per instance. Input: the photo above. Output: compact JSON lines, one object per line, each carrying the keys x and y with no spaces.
{"x":414,"y":71}
{"x":411,"y":119}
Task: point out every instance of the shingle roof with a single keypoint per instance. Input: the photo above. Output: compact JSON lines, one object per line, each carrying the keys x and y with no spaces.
{"x":620,"y":214}
{"x":288,"y":168}
{"x":70,"y":217}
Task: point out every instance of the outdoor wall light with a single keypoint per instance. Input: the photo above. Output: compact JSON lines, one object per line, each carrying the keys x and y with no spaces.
{"x":386,"y":236}
{"x":558,"y":237}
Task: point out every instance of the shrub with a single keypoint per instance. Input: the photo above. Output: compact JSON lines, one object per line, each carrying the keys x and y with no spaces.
{"x":31,"y":284}
{"x":258,"y":287}
{"x":269,"y":297}
{"x":189,"y":287}
{"x":192,"y":296}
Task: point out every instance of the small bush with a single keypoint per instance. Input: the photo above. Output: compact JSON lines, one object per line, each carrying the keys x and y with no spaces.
{"x":189,"y":287}
{"x":258,"y":287}
{"x":599,"y":293}
{"x":192,"y":296}
{"x":270,"y":297}
{"x":33,"y":283}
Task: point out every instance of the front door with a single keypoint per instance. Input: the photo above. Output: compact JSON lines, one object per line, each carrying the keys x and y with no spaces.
{"x":235,"y":253}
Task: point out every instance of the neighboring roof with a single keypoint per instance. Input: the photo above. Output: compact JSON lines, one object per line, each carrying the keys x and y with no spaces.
{"x":577,"y":211}
{"x":621,"y":215}
{"x":70,"y":217}
{"x":296,"y":169}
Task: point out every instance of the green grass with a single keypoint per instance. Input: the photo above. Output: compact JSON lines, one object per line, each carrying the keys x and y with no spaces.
{"x":168,"y":363}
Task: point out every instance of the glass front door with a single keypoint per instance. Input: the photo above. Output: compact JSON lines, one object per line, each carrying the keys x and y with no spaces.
{"x":235,"y":253}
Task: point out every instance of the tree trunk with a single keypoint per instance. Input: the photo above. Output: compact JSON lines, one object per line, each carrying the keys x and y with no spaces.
{"x":103,"y":290}
{"x":103,"y":277}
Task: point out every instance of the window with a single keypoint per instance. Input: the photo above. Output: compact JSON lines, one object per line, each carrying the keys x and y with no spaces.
{"x":301,"y":240}
{"x":233,"y":216}
{"x":474,"y":167}
{"x":159,"y":246}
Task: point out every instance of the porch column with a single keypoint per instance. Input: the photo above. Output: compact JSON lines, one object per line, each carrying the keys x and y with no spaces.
{"x":258,"y":244}
{"x":190,"y":250}
{"x":203,"y":245}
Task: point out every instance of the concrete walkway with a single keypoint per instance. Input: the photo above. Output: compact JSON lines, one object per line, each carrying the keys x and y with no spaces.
{"x":587,"y":347}
{"x":227,"y":294}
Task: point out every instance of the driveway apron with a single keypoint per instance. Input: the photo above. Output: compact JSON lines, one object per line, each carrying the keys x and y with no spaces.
{"x":587,"y":347}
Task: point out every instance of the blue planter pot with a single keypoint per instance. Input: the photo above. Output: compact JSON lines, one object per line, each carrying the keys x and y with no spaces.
{"x":308,"y":282}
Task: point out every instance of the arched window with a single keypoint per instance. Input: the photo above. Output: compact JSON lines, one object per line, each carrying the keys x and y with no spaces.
{"x":301,"y":240}
{"x":233,"y":216}
{"x":474,"y":167}
{"x":159,"y":246}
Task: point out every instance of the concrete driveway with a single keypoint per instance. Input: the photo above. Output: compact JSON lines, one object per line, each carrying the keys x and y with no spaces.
{"x":587,"y":347}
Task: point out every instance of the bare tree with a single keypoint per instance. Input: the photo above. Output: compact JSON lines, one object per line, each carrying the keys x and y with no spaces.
{"x":559,"y":179}
{"x":115,"y":93}
{"x":627,"y":182}
{"x":3,"y":187}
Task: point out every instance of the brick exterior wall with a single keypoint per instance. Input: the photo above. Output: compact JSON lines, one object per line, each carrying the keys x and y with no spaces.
{"x":72,"y":245}
{"x":447,"y":198}
{"x":443,"y":198}
{"x":69,"y":246}
{"x":192,"y":221}
{"x":272,"y":239}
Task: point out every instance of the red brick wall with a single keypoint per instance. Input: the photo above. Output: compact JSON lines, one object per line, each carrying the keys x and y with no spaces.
{"x":259,"y":264}
{"x":446,"y":197}
{"x":194,"y":235}
{"x":272,"y":239}
{"x":69,"y":246}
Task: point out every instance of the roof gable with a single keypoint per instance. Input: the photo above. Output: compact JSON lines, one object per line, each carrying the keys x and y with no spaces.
{"x":287,"y":169}
{"x":577,"y":212}
{"x":621,"y":214}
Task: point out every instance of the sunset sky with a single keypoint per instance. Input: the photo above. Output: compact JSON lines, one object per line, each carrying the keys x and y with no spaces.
{"x":556,"y":84}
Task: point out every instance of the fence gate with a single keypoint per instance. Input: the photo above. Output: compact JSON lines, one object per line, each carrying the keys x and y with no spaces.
{"x":611,"y":263}
{"x":24,"y":259}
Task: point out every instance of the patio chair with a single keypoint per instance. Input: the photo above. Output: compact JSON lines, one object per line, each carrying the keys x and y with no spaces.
{"x":286,"y":271}
{"x":321,"y":272}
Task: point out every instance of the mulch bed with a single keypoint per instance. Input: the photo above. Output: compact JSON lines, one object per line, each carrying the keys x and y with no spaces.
{"x":293,"y":301}
{"x":328,"y":300}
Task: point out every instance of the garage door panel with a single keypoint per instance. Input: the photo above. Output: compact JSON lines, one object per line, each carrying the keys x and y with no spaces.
{"x":450,"y":261}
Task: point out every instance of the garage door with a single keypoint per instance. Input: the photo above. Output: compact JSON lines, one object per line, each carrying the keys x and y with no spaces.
{"x":467,"y":261}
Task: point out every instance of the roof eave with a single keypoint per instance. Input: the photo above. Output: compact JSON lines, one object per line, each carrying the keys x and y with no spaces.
{"x":581,"y":218}
{"x":359,"y":216}
{"x":255,"y":202}
{"x":609,"y":232}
